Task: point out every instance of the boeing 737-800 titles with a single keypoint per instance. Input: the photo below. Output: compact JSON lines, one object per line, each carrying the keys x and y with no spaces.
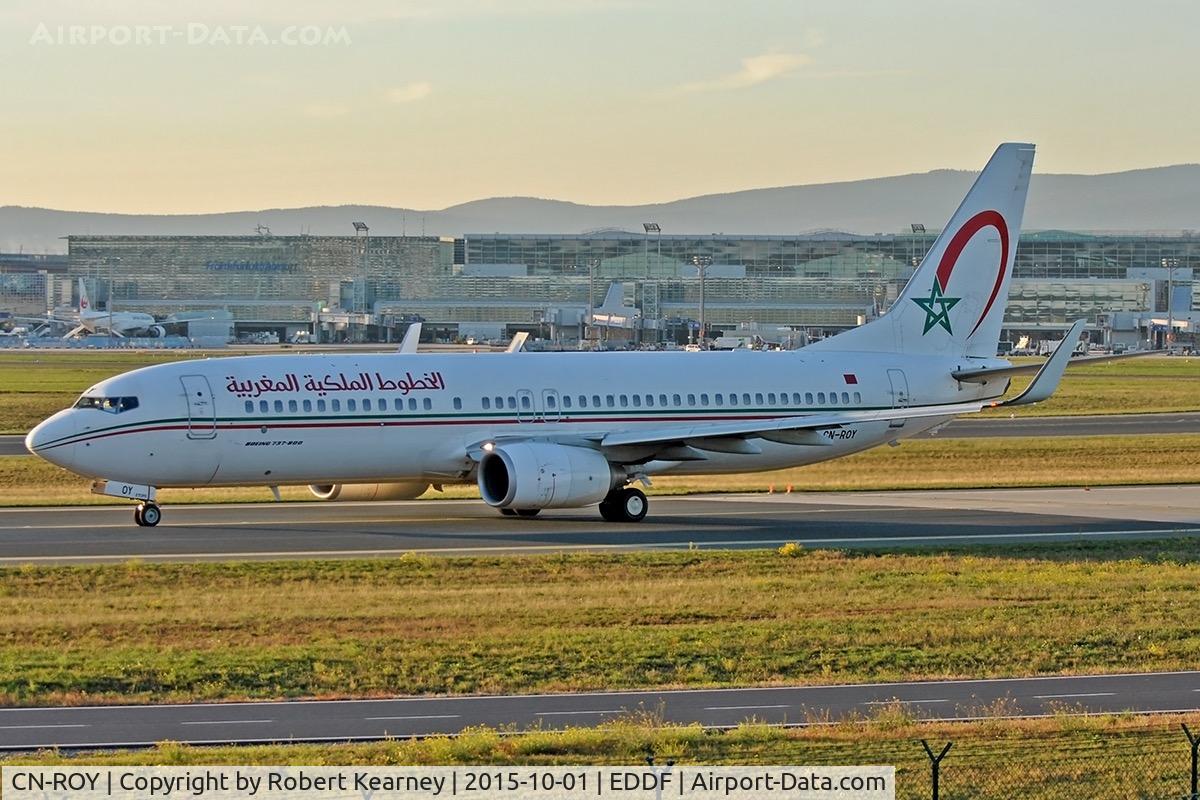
{"x":565,"y":430}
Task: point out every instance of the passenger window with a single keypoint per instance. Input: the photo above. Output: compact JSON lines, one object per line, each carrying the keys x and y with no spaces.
{"x":770,"y":398}
{"x":566,"y":401}
{"x":846,"y":398}
{"x":704,"y":398}
{"x":352,"y":405}
{"x":820,"y":398}
{"x":292,"y":407}
{"x":596,"y":401}
{"x":525,"y":401}
{"x":676,"y":400}
{"x":637,"y":401}
{"x":512,"y":402}
{"x":278,"y":406}
{"x":321,"y":405}
{"x":662,"y":399}
{"x":428,"y":403}
{"x":624,"y":401}
{"x":857,"y":397}
{"x":550,"y":403}
{"x":486,"y":404}
{"x":746,"y":399}
{"x":720,"y":398}
{"x":249,"y":406}
{"x":583,"y":401}
{"x":649,"y":400}
{"x":458,"y":404}
{"x":366,"y":404}
{"x":262,"y":406}
{"x":758,"y":398}
{"x":397,"y":404}
{"x":335,"y":405}
{"x":808,"y":398}
{"x":308,"y":405}
{"x":382,"y":404}
{"x":691,"y":399}
{"x":499,"y":402}
{"x":609,"y":400}
{"x":412,"y":404}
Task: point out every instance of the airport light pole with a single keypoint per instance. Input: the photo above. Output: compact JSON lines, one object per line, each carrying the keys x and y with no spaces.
{"x":109,"y":303}
{"x":702,"y":264}
{"x":363,"y":234}
{"x":1171,"y":264}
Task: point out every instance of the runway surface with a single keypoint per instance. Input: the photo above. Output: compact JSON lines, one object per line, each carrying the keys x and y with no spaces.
{"x":454,"y":527}
{"x":970,"y":427}
{"x":110,"y":726}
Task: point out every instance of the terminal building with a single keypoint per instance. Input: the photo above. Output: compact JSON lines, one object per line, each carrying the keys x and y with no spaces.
{"x":1129,"y":287}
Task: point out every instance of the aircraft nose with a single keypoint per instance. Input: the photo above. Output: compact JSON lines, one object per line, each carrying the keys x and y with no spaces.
{"x":50,"y":439}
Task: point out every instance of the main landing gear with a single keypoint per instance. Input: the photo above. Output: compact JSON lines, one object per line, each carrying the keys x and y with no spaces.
{"x":147,"y":515}
{"x":520,"y":512}
{"x":624,"y":505}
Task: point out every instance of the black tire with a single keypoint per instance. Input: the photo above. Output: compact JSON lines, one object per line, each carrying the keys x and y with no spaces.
{"x":137,"y":515}
{"x":151,"y":515}
{"x":633,"y":505}
{"x":610,"y":511}
{"x":528,"y":512}
{"x":507,"y":512}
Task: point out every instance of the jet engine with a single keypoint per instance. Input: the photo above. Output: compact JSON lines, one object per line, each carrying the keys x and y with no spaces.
{"x":407,"y":490}
{"x":529,"y":475}
{"x":158,"y":331}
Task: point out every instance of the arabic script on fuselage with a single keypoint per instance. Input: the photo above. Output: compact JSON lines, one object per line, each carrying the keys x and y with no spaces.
{"x":323,"y":385}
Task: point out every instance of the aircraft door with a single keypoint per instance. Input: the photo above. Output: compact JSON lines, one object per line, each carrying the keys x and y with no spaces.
{"x":900,"y":398}
{"x":526,"y":411}
{"x":202,"y":412}
{"x":550,"y":405}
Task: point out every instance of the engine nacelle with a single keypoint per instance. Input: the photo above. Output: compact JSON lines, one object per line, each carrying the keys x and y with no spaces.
{"x":407,"y":490}
{"x":158,"y":331}
{"x":541,"y":475}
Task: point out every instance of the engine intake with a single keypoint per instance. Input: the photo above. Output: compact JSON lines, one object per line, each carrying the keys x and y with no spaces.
{"x":408,"y":490}
{"x":538,"y":475}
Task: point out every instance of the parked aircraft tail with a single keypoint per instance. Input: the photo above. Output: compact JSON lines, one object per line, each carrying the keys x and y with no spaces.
{"x":954,"y":303}
{"x":84,"y":303}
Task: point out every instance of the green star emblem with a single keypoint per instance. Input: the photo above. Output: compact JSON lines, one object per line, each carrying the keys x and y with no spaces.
{"x":943,"y":305}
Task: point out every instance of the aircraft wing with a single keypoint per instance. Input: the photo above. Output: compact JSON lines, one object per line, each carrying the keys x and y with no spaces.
{"x":803,"y":430}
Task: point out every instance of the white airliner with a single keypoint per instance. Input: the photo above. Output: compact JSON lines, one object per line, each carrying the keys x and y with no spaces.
{"x":565,"y":430}
{"x":122,"y":323}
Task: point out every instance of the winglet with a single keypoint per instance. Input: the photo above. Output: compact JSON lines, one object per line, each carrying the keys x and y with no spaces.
{"x":518,"y":342}
{"x":409,"y":343}
{"x":1048,"y":377}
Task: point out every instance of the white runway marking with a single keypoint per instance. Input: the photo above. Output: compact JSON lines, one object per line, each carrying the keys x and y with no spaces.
{"x":418,"y":716}
{"x":230,"y":722}
{"x":1061,"y":696}
{"x":37,"y":727}
{"x":740,"y":708}
{"x":898,"y":700}
{"x":572,"y":713}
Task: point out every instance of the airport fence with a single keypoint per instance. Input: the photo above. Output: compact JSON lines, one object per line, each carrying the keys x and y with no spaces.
{"x":1158,"y":764}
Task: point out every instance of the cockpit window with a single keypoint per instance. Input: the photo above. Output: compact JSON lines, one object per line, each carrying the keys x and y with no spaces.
{"x":113,"y":405}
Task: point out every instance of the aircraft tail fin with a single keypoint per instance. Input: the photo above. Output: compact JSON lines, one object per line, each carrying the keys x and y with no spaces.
{"x":954,"y":303}
{"x":84,"y":303}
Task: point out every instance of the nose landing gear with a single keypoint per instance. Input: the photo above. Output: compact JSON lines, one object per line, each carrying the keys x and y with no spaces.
{"x":147,"y":514}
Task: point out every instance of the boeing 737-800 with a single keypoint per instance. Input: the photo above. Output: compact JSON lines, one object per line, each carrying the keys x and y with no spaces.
{"x":566,"y":430}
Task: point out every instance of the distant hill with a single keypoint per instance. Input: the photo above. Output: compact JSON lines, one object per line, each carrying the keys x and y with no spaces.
{"x":1161,"y":198}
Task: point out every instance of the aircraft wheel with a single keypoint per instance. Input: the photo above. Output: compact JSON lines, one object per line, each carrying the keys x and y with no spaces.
{"x":528,"y":512}
{"x":137,"y":515}
{"x":507,"y":512}
{"x":151,"y":514}
{"x":633,"y":505}
{"x":624,"y":505}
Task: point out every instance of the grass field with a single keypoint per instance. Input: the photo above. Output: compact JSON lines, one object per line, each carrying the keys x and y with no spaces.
{"x":35,"y":385}
{"x":140,"y":632}
{"x":1101,"y":758}
{"x":927,"y":464}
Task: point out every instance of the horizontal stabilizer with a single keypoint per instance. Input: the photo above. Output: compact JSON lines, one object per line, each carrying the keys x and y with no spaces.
{"x":985,"y":374}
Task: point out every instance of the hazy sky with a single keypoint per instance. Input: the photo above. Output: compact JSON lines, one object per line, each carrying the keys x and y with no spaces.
{"x":121,"y":105}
